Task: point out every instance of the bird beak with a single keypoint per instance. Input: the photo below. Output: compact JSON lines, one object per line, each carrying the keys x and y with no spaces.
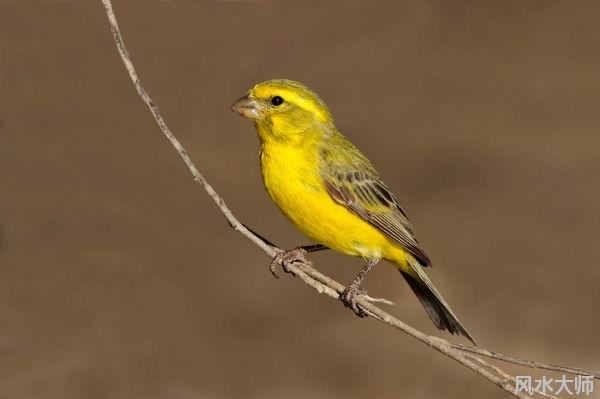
{"x":246,"y":107}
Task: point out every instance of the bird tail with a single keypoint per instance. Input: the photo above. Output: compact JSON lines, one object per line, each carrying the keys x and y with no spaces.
{"x":435,"y":305}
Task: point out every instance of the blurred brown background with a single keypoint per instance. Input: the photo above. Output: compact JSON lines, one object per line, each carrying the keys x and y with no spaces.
{"x":120,"y":279}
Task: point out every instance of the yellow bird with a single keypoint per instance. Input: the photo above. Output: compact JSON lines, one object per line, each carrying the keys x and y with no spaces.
{"x":332,"y":192}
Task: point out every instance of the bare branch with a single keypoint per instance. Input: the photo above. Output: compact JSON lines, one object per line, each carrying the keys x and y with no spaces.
{"x":524,"y":362}
{"x":465,"y":355}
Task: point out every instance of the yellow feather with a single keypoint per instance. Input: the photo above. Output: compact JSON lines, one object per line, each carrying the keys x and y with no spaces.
{"x":292,"y":179}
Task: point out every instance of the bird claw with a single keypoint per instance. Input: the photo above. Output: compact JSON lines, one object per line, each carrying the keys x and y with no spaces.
{"x":350,"y":298}
{"x":285,"y":258}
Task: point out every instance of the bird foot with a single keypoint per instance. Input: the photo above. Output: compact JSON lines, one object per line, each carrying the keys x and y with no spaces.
{"x":350,"y":298}
{"x":287,"y":257}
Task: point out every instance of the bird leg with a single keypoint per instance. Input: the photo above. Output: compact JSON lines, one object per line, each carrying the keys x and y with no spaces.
{"x":284,"y":258}
{"x":354,"y":291}
{"x":314,"y":247}
{"x":298,"y":254}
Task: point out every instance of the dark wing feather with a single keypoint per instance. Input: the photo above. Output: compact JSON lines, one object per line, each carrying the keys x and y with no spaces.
{"x":365,"y":194}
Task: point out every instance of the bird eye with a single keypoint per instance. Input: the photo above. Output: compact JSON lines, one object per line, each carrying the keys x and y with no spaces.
{"x":277,"y":101}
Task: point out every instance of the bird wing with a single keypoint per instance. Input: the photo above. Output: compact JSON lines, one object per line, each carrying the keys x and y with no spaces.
{"x":357,"y":186}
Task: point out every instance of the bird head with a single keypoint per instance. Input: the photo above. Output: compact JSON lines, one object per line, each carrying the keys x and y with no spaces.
{"x":282,"y":109}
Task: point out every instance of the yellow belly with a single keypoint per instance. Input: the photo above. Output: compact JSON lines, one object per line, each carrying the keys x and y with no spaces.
{"x":293,"y":182}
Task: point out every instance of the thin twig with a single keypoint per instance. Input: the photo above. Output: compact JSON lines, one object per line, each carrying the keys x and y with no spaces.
{"x":524,"y":362}
{"x":464,"y":355}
